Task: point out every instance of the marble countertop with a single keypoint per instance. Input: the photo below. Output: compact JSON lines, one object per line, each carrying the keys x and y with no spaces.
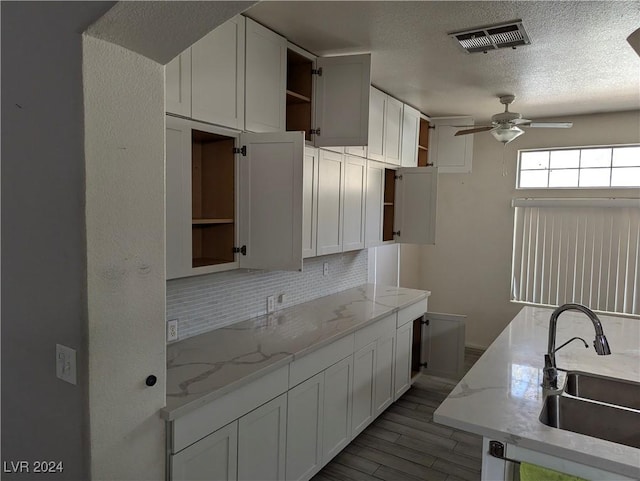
{"x":205,"y":367}
{"x":501,"y":397}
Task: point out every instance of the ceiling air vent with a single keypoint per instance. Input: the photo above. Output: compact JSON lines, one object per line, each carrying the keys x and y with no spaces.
{"x":483,"y":39}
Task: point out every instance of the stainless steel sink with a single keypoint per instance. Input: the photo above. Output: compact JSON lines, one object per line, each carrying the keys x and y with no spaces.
{"x":603,"y":389}
{"x":592,"y":419}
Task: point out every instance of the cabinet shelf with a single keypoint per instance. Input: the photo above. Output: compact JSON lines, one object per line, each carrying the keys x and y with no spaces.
{"x":388,"y":203}
{"x":208,"y":261}
{"x":422,"y":147}
{"x":211,"y":221}
{"x":296,"y":98}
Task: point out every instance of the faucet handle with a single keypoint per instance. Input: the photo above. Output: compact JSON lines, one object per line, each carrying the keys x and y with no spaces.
{"x":601,"y":345}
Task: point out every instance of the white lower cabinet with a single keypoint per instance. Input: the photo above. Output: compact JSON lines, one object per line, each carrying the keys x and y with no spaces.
{"x":364,"y":367}
{"x":385,"y":359}
{"x":336,"y":424}
{"x":262,"y":442}
{"x":402,"y":379}
{"x":213,"y":458}
{"x":304,"y":428}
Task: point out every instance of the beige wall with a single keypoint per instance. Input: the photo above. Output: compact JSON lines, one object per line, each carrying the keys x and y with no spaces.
{"x":468,"y":270}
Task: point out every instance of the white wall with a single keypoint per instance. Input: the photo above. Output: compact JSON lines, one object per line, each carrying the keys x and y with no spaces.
{"x":124,"y":156}
{"x":43,"y":234}
{"x":468,"y":270}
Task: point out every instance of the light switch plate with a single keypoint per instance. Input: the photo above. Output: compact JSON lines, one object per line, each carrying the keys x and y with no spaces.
{"x":172,"y":330}
{"x":271,"y":304}
{"x":325,"y":269}
{"x":66,"y":363}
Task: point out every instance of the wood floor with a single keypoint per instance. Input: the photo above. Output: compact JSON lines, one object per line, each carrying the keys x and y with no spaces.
{"x":404,"y":444}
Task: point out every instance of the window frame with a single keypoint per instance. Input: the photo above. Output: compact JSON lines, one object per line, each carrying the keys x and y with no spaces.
{"x":575,"y":188}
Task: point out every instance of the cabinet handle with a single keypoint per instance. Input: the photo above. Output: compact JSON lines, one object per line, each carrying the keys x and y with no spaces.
{"x":496,"y":449}
{"x":151,"y":380}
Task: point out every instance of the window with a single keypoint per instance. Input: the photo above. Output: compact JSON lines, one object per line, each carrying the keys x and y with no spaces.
{"x":577,"y":250}
{"x":579,"y":168}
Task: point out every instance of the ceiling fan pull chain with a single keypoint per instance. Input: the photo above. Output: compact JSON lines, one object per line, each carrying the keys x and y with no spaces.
{"x":504,"y":163}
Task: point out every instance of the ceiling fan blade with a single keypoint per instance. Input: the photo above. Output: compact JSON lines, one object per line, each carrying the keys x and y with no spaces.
{"x":549,"y":125}
{"x":473,"y":131}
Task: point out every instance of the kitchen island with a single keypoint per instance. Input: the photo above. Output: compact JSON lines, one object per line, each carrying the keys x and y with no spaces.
{"x":501,"y":398}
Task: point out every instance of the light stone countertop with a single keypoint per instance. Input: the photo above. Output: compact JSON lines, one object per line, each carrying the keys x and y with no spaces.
{"x":500,"y":397}
{"x":204,"y":367}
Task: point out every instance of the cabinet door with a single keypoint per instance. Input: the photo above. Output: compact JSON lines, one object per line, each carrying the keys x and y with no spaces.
{"x":410,"y":132}
{"x":178,"y":197}
{"x":402,"y":377}
{"x":355,"y":176}
{"x":451,"y":154}
{"x":262,"y":442}
{"x":305,"y":409}
{"x":310,"y":202}
{"x":178,"y":84}
{"x":364,"y":366}
{"x":415,"y":210}
{"x":271,"y":177}
{"x":392,"y":131}
{"x":342,"y":100}
{"x":218,"y":75}
{"x":373,"y":205}
{"x":385,"y":357}
{"x":375,"y":147}
{"x":330,"y":199}
{"x":337,"y":406}
{"x":214,"y":458}
{"x":265,"y":79}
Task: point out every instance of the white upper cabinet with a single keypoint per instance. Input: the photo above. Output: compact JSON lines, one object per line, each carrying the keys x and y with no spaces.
{"x":374,"y":203}
{"x":342,"y":100}
{"x":401,"y":205}
{"x":452,"y":155}
{"x":410,"y":130}
{"x":392,"y":131}
{"x":178,"y":84}
{"x":266,"y":79}
{"x":310,"y":202}
{"x":377,"y":102}
{"x":217,"y":81}
{"x":353,"y":218}
{"x":233,"y":200}
{"x":270,"y":197}
{"x":415,"y":205}
{"x":330,"y":202}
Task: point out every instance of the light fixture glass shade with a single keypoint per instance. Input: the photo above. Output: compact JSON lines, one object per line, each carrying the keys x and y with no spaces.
{"x":507,"y":135}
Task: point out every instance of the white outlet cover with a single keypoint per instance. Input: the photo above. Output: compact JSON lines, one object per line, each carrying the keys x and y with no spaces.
{"x":66,"y":364}
{"x":271,"y":304}
{"x":325,"y":269}
{"x":172,"y":330}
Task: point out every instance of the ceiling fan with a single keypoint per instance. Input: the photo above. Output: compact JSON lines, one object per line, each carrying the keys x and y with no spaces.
{"x":505,"y":126}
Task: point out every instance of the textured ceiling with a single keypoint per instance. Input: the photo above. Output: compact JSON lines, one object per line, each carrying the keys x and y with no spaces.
{"x":579,"y":60}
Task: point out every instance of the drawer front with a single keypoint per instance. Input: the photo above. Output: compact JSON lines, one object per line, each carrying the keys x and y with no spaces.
{"x":197,"y":424}
{"x":311,"y":364}
{"x":374,"y":331}
{"x":412,"y":312}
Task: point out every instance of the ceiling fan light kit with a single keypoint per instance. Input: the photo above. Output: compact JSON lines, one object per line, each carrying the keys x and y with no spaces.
{"x":506,"y":135}
{"x":504,"y":126}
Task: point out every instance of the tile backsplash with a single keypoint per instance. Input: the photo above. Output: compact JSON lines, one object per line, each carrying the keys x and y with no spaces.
{"x":207,"y":302}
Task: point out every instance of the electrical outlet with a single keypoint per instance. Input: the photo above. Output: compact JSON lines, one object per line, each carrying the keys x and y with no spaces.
{"x":271,"y":304}
{"x":282,"y":298}
{"x":66,"y":363}
{"x":172,"y":330}
{"x":325,"y":269}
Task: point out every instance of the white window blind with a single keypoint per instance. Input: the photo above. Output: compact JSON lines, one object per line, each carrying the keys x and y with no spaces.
{"x":577,"y":250}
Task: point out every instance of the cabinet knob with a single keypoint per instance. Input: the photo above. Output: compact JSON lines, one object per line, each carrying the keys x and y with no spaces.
{"x":151,"y":380}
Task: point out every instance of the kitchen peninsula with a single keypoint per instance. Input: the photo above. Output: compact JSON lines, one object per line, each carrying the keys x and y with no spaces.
{"x":501,"y":399}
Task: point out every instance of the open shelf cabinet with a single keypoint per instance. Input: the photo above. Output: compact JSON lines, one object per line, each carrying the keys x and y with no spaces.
{"x":388,"y":212}
{"x":299,"y":93}
{"x":213,"y":227}
{"x":423,"y":143}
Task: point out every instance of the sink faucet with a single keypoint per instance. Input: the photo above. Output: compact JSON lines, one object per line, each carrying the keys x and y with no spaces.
{"x":550,"y":372}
